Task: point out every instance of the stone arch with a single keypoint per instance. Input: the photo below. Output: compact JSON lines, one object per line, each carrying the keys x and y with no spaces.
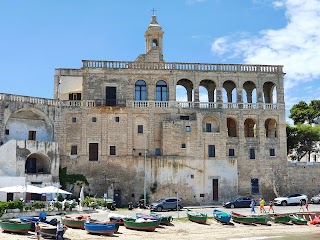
{"x":155,"y":43}
{"x":210,"y":124}
{"x":162,"y":91}
{"x":184,"y":90}
{"x":249,"y":92}
{"x":37,"y":163}
{"x":210,"y":93}
{"x":271,"y":127}
{"x":140,"y":90}
{"x":270,"y":92}
{"x":250,"y":128}
{"x":230,"y":92}
{"x":26,"y":120}
{"x":232,"y":127}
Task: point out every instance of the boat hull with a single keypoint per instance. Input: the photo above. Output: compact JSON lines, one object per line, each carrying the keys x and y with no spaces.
{"x":281,"y":218}
{"x":261,"y":219}
{"x":239,"y":218}
{"x":49,"y":230}
{"x":108,"y":228}
{"x":295,"y":219}
{"x":13,"y":226}
{"x":73,"y":223}
{"x":197,"y":217}
{"x":164,"y":220}
{"x":221,"y":216}
{"x":148,"y":226}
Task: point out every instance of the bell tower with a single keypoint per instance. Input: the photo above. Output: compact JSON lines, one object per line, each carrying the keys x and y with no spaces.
{"x":154,"y":36}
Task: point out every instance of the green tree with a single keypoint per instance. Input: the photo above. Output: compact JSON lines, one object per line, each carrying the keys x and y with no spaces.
{"x":292,"y":139}
{"x":303,"y":140}
{"x":305,"y":113}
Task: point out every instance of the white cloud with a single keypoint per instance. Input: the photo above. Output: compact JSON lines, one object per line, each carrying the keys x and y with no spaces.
{"x":296,"y":46}
{"x":194,"y":1}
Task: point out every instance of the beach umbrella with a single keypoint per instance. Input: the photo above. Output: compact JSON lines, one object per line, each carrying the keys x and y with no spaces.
{"x":52,"y":189}
{"x":21,"y":189}
{"x":81,"y":197}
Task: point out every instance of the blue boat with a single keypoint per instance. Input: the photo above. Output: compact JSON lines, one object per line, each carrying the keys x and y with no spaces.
{"x":149,"y":217}
{"x":102,"y":228}
{"x":42,"y":218}
{"x":221,"y":216}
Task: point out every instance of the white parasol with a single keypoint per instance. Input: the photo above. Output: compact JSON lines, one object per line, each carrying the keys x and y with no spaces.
{"x":21,"y":189}
{"x":52,"y":189}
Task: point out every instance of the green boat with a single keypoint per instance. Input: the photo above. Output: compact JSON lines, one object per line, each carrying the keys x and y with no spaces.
{"x":297,"y":219}
{"x":164,"y":220}
{"x":261,"y":219}
{"x":197,"y":217}
{"x":281,"y":218}
{"x":14,"y":226}
{"x":239,"y":218}
{"x":140,"y":224}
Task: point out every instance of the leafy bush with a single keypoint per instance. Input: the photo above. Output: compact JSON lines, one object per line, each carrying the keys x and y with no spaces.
{"x":87,"y":201}
{"x":60,"y":198}
{"x":15,"y":204}
{"x":73,"y":205}
{"x":101,"y":202}
{"x":26,"y":208}
{"x":38,"y":205}
{"x":57,"y":205}
{"x":3,"y":207}
{"x":66,"y":206}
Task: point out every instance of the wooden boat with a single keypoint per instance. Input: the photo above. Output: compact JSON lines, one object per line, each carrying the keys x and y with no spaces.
{"x":197,"y":217}
{"x":148,"y":217}
{"x":261,"y":219}
{"x":309,"y":216}
{"x":33,"y":220}
{"x":140,"y":224}
{"x":103,"y":228}
{"x":14,"y":226}
{"x":221,"y":216}
{"x":297,"y":219}
{"x":75,"y":222}
{"x":281,"y":218}
{"x":116,"y":217}
{"x":315,"y":221}
{"x":239,"y":218}
{"x":48,"y":230}
{"x":164,"y":220}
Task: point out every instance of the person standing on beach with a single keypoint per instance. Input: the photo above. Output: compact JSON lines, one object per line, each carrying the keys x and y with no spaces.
{"x":37,"y":230}
{"x":262,"y":203}
{"x":252,"y":205}
{"x":59,"y":231}
{"x":301,"y":206}
{"x":307,"y":206}
{"x":271,"y":207}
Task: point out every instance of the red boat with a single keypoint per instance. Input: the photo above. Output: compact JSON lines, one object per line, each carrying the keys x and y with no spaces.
{"x":315,"y":221}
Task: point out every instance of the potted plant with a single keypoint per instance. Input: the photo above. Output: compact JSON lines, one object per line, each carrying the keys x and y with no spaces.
{"x":15,"y":206}
{"x":66,"y":206}
{"x":58,"y":205}
{"x":37,"y":205}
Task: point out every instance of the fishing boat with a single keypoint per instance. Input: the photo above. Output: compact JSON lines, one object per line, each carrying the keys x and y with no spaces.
{"x":42,"y":218}
{"x":281,"y":218}
{"x":315,"y":221}
{"x":164,"y":220}
{"x":75,"y":222}
{"x":197,"y":217}
{"x":103,"y":228}
{"x":297,"y":219}
{"x":48,"y":230}
{"x":261,"y":219}
{"x":13,"y":226}
{"x":117,"y":217}
{"x":221,"y":216}
{"x":140,"y":224}
{"x":148,"y":217}
{"x":239,"y":218}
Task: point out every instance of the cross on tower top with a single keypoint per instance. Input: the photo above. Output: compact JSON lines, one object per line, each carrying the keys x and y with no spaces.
{"x":153,"y":11}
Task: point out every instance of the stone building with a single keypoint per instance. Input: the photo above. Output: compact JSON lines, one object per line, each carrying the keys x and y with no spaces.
{"x":122,"y":125}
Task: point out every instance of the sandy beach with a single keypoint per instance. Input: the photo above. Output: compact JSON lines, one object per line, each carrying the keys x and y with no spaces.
{"x":186,"y":230}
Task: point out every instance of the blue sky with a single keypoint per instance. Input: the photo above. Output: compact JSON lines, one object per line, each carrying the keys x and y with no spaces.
{"x":38,"y":36}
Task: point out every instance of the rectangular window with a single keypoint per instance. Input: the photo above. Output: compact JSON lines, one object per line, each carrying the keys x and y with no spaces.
{"x":254,"y":186}
{"x":208,"y":127}
{"x":231,"y":152}
{"x":158,"y":152}
{"x":140,"y":128}
{"x":252,"y":153}
{"x":32,"y":135}
{"x":94,"y":119}
{"x":7,"y":131}
{"x":74,"y":119}
{"x":188,"y":128}
{"x":93,"y":151}
{"x":184,"y":117}
{"x":272,"y":152}
{"x":211,"y":151}
{"x":112,"y":150}
{"x":183,"y":145}
{"x":74,"y":150}
{"x":117,"y":119}
{"x":75,"y":96}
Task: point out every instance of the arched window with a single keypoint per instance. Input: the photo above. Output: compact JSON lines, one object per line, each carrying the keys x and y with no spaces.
{"x":141,"y":91}
{"x":161,"y":91}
